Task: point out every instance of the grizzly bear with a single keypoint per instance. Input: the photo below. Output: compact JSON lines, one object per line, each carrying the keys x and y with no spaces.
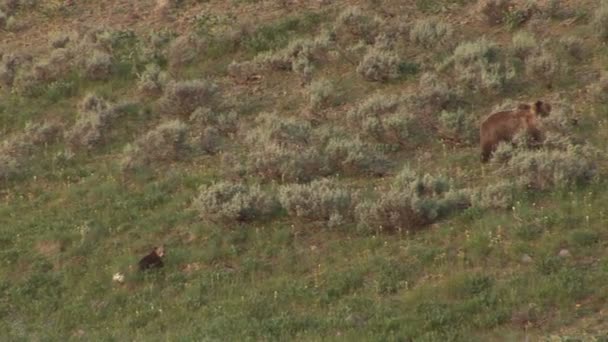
{"x":504,"y":125}
{"x":153,"y":260}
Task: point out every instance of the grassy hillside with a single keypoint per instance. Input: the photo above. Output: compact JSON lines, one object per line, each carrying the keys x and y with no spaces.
{"x":312,"y":168}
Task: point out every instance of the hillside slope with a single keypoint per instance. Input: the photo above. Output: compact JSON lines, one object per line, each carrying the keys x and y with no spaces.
{"x":312,"y":168}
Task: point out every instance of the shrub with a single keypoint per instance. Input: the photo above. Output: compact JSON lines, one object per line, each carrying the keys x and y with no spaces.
{"x":91,"y":127}
{"x":376,"y":105}
{"x":353,"y":23}
{"x":523,"y":44}
{"x":379,"y":65}
{"x":280,"y":130}
{"x":322,"y":94}
{"x":543,"y":169}
{"x":182,"y":98}
{"x":479,"y":65}
{"x":543,"y":66}
{"x":224,"y":122}
{"x":494,"y":10}
{"x":432,"y":94}
{"x":152,"y":80}
{"x":15,"y":151}
{"x":55,"y":67}
{"x":295,"y":164}
{"x":299,"y":56}
{"x":354,"y":156}
{"x":320,"y":200}
{"x":431,"y":32}
{"x":59,"y":40}
{"x":599,"y":89}
{"x":460,"y":124}
{"x":600,"y":21}
{"x":226,"y":201}
{"x":573,"y":46}
{"x":411,"y":203}
{"x":243,"y":71}
{"x":184,"y":50}
{"x":165,"y":143}
{"x":494,"y":196}
{"x":98,"y":66}
{"x":3,"y":19}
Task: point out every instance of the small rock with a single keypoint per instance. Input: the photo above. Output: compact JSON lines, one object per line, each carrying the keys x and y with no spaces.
{"x":564,"y":253}
{"x":118,"y":277}
{"x":526,"y":259}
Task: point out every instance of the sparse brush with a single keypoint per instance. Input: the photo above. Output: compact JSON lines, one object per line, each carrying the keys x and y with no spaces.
{"x":320,"y":200}
{"x":352,"y":156}
{"x":494,"y":196}
{"x":543,"y":66}
{"x":600,"y":21}
{"x":322,"y":95}
{"x":234,"y":202}
{"x":184,"y":50}
{"x":243,"y":71}
{"x":280,"y":130}
{"x":411,"y":203}
{"x":352,"y":23}
{"x":98,"y":66}
{"x":182,"y":98}
{"x":56,"y":66}
{"x":494,"y":10}
{"x":167,"y":142}
{"x":599,"y":89}
{"x":545,"y":169}
{"x":272,"y":161}
{"x":573,"y":46}
{"x":152,"y":80}
{"x":3,"y":19}
{"x":59,"y":40}
{"x":379,"y":65}
{"x":523,"y":44}
{"x":224,"y":122}
{"x":460,"y":124}
{"x":91,"y":127}
{"x":480,"y":65}
{"x":433,"y":94}
{"x":431,"y":32}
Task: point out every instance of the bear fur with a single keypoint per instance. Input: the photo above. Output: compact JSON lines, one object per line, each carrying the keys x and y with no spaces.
{"x":504,"y":125}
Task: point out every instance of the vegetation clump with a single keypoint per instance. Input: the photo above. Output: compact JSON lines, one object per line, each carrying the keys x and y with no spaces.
{"x":233,"y":202}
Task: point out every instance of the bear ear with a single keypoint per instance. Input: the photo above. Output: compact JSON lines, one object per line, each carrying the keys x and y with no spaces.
{"x":538,"y":105}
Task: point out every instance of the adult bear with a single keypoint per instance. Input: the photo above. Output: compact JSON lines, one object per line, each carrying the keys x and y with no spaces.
{"x":503,"y":126}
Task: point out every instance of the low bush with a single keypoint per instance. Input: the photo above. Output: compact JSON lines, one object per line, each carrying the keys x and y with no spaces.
{"x":411,"y":203}
{"x":353,"y":25}
{"x":494,"y":196}
{"x":523,"y":44}
{"x":599,"y":23}
{"x":224,"y":122}
{"x":98,"y":66}
{"x":152,"y":80}
{"x":182,"y":98}
{"x":91,"y":127}
{"x":352,"y":156}
{"x":544,"y":169}
{"x":229,"y":202}
{"x":322,"y":95}
{"x":431,"y":32}
{"x":167,"y":142}
{"x":379,"y":65}
{"x":321,"y":200}
{"x":459,"y":124}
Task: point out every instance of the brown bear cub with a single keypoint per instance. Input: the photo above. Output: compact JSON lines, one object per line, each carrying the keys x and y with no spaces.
{"x":503,"y":126}
{"x":152,"y":260}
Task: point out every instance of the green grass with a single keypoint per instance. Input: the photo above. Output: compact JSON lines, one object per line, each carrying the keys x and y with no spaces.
{"x":67,"y":224}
